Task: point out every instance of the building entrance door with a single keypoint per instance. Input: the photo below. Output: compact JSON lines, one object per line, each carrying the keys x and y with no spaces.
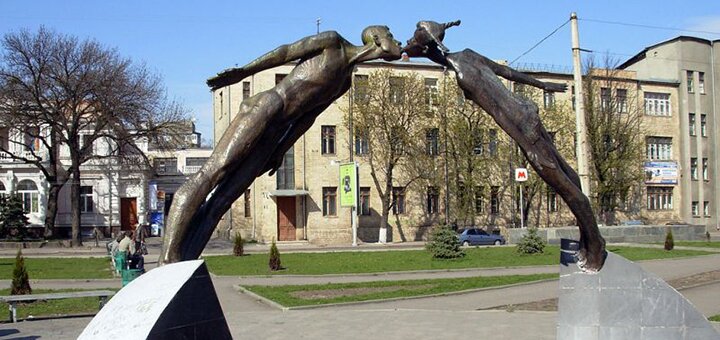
{"x":286,"y":218}
{"x":128,"y":213}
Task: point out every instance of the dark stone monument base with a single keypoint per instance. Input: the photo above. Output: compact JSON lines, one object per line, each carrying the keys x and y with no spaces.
{"x":176,"y":301}
{"x":623,"y":301}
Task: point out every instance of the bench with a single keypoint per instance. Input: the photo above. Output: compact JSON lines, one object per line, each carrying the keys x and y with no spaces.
{"x":12,"y":300}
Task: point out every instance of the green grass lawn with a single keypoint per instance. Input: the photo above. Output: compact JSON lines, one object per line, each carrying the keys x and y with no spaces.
{"x":386,"y":261}
{"x":86,"y":305}
{"x":364,"y":291}
{"x":60,"y":268}
{"x":715,"y":318}
{"x":702,"y":244}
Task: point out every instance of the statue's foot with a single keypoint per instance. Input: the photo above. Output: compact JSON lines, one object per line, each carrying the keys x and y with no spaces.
{"x":591,"y":262}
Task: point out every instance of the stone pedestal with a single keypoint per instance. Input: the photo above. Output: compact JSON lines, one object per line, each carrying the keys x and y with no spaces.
{"x":176,"y":301}
{"x":623,"y":301}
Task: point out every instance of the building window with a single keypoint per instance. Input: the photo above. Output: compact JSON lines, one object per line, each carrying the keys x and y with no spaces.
{"x":657,"y":104}
{"x":493,"y":142}
{"x":398,"y":200}
{"x":361,"y":88}
{"x":247,"y":206}
{"x":552,"y":201}
{"x":605,"y":99}
{"x":362,"y":142}
{"x":691,"y":124}
{"x":431,"y":91}
{"x":433,"y":199}
{"x":705,"y":165}
{"x":695,"y":208}
{"x":701,"y":82}
{"x":479,"y":200}
{"x":329,"y":201}
{"x":165,"y":166}
{"x":659,"y":148}
{"x":659,"y":198}
{"x":32,"y":139}
{"x":285,"y":174}
{"x":193,"y":164}
{"x":279,"y":77}
{"x":494,"y":200}
{"x":245,"y":90}
{"x":706,"y":208}
{"x":703,"y":125}
{"x":397,"y":91}
{"x":28,"y":192}
{"x":396,"y":141}
{"x":431,"y":142}
{"x":3,"y":191}
{"x":86,"y":199}
{"x":693,"y":169}
{"x":365,"y":201}
{"x":478,"y":146}
{"x":328,"y":139}
{"x":690,"y":85}
{"x":548,"y":99}
{"x":621,"y":98}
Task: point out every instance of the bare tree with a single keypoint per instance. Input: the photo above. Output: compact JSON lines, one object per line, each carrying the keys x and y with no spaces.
{"x":61,"y":92}
{"x":393,"y":109}
{"x":615,"y":136}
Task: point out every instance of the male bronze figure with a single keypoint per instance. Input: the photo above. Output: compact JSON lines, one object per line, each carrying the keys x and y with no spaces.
{"x":477,"y":76}
{"x":266,"y":126}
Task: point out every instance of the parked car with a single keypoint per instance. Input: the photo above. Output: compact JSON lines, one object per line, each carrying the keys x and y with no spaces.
{"x":475,"y":236}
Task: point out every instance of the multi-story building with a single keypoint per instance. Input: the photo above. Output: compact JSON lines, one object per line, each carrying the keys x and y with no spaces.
{"x":691,"y":63}
{"x":113,"y":194}
{"x":300,"y":202}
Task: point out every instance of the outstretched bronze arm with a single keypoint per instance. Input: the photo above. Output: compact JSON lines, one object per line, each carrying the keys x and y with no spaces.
{"x":303,"y":48}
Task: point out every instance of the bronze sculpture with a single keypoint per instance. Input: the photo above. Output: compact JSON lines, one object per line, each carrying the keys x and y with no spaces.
{"x":266,"y":126}
{"x":477,"y":76}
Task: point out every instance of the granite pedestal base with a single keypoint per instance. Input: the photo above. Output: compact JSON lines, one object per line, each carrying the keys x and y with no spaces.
{"x":176,"y":301}
{"x":623,"y":301}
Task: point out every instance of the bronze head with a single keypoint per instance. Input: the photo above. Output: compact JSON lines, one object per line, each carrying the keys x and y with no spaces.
{"x":428,"y":35}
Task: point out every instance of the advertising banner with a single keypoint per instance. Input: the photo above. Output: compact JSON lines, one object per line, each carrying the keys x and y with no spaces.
{"x":348,"y":185}
{"x":661,"y":172}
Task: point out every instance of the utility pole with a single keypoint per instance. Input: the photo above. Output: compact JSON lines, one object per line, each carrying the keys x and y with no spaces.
{"x":317,"y":22}
{"x":580,"y":127}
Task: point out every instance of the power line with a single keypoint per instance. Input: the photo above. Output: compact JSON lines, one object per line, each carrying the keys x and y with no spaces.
{"x":648,"y":26}
{"x":540,"y":42}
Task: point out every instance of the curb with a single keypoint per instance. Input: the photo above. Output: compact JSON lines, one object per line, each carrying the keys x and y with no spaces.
{"x":353,"y":303}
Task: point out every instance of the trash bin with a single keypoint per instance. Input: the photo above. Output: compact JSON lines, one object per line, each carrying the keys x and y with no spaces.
{"x":129,"y":275}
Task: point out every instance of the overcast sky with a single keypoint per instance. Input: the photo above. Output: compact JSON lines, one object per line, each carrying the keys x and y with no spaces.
{"x":189,"y":41}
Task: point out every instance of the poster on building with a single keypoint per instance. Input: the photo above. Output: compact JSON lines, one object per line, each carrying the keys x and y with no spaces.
{"x":157,"y":223}
{"x":152,"y":195}
{"x":661,"y":172}
{"x":348,"y":184}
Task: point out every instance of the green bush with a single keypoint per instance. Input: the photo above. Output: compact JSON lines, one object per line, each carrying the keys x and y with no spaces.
{"x":669,"y":242}
{"x":531,"y":243}
{"x":238,"y":245}
{"x":20,"y":281}
{"x":13,"y":221}
{"x":707,"y":236}
{"x":274,"y":257}
{"x":444,"y":244}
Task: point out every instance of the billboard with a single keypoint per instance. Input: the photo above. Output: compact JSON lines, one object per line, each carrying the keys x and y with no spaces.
{"x":348,"y":185}
{"x":661,"y":172}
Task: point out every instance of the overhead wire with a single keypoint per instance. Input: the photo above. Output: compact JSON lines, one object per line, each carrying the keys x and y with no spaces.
{"x":540,"y":42}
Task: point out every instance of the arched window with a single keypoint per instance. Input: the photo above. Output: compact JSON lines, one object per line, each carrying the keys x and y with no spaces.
{"x":28,"y":192}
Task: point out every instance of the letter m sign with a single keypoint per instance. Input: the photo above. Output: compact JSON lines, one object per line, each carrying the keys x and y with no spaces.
{"x":521,"y":175}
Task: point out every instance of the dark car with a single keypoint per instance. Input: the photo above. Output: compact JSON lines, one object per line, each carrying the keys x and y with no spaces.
{"x":475,"y":236}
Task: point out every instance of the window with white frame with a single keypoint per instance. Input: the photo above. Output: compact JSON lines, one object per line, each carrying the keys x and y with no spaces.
{"x":693,"y":169}
{"x":703,"y":125}
{"x":659,"y":198}
{"x":659,"y":148}
{"x":328,"y":140}
{"x":398,"y":200}
{"x":86,"y":199}
{"x":621,"y":99}
{"x":431,"y":142}
{"x":701,"y":82}
{"x":695,"y":208}
{"x":691,"y":124}
{"x":657,"y":104}
{"x":494,"y":200}
{"x":552,"y":200}
{"x":705,"y":165}
{"x":605,"y":98}
{"x":433,"y":200}
{"x":329,"y":201}
{"x":431,"y":91}
{"x":706,"y":208}
{"x":690,"y":78}
{"x":365,"y":201}
{"x":28,"y":192}
{"x":479,"y":200}
{"x":362,"y":142}
{"x":548,"y":99}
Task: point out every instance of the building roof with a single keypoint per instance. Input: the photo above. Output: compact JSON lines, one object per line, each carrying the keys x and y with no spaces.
{"x":640,"y":56}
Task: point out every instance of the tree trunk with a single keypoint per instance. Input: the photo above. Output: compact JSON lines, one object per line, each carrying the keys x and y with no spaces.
{"x":52,"y":208}
{"x":76,"y":237}
{"x":387,"y":202}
